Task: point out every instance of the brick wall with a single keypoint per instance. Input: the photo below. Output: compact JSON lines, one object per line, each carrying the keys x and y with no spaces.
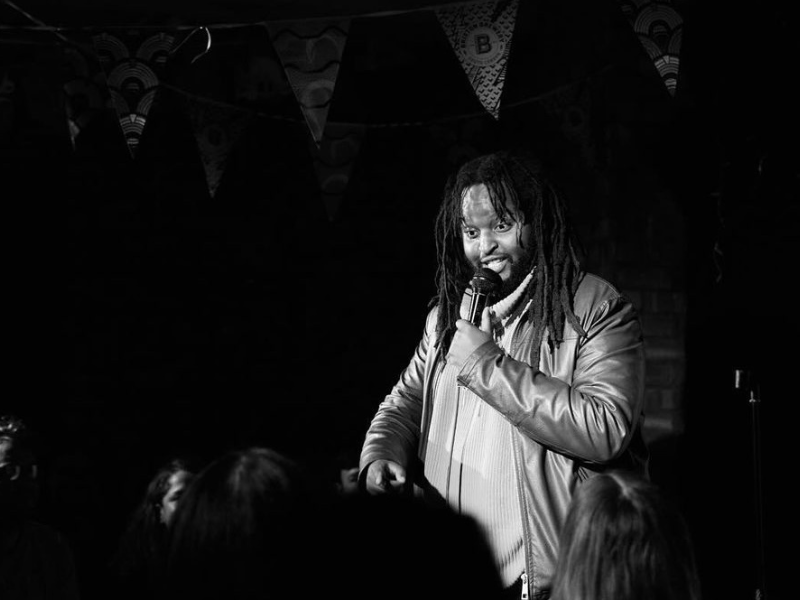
{"x":641,"y":251}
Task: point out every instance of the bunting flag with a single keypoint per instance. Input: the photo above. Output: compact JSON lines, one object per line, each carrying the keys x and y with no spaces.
{"x":333,"y":160}
{"x":85,"y":91}
{"x":262,"y":82}
{"x":480,"y":34}
{"x":311,"y":53}
{"x":659,"y":28}
{"x":132,"y":77}
{"x":216,"y":130}
{"x":29,"y":84}
{"x":570,"y":109}
{"x":461,"y":140}
{"x":7,"y":89}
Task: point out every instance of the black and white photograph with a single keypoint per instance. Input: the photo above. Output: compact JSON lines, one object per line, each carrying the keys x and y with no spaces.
{"x":398,"y":299}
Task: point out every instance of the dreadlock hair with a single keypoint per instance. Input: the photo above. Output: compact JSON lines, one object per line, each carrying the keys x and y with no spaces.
{"x":516,"y":183}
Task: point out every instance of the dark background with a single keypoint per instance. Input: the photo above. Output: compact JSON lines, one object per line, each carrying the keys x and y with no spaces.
{"x":149,"y":318}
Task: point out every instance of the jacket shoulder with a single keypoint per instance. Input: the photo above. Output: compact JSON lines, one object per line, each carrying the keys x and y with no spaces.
{"x":430,"y":320}
{"x":596,"y":296}
{"x":593,"y":290}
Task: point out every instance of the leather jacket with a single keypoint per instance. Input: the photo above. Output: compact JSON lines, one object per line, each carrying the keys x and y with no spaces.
{"x":578,"y":413}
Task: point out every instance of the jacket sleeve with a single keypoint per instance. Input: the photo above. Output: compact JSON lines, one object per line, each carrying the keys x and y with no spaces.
{"x":394,"y":431}
{"x":592,"y":418}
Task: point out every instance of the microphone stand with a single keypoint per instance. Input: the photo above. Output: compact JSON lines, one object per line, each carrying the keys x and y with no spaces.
{"x":755,"y":402}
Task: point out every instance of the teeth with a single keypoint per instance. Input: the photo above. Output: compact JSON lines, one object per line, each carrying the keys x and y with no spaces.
{"x":495,"y":264}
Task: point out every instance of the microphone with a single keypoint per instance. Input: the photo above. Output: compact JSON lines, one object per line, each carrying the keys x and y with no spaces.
{"x":483,"y":284}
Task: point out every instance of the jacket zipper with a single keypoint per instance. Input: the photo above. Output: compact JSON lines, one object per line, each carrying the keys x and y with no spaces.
{"x":452,"y":449}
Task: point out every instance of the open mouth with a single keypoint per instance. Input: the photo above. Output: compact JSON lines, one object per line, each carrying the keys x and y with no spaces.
{"x":495,"y":264}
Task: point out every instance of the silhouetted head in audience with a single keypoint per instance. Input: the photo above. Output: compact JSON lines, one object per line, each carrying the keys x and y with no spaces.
{"x":624,"y":540}
{"x":167,"y":486}
{"x":344,"y":469}
{"x":243,"y":528}
{"x":19,"y":489}
{"x":399,"y":547}
{"x":36,"y":560}
{"x":142,"y":546}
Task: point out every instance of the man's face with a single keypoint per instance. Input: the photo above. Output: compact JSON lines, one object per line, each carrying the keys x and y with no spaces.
{"x":5,"y":450}
{"x":348,"y":480}
{"x":6,"y":472}
{"x":492,"y":242}
{"x":18,"y":484}
{"x":15,"y":463}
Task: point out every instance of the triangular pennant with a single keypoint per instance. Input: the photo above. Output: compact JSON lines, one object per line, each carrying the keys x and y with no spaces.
{"x":85,"y":91}
{"x":311,"y":52}
{"x":216,"y":130}
{"x":570,"y":109}
{"x":7,"y":88}
{"x":480,"y":34}
{"x":132,"y":77}
{"x":659,"y":28}
{"x":461,"y":139}
{"x":334,"y":158}
{"x":28,"y":75}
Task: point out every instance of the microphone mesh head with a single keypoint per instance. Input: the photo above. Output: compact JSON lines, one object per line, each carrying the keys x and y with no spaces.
{"x":485,"y":281}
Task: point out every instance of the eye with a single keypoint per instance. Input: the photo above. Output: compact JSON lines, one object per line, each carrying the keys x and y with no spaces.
{"x":469,"y":232}
{"x":504,"y":226}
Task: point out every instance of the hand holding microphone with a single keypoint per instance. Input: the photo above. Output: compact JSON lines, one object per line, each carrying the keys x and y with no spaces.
{"x":469,"y":333}
{"x":484,"y":283}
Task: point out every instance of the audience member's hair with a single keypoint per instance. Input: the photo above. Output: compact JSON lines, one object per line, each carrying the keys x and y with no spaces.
{"x":142,"y":546}
{"x":399,"y":547}
{"x":240,"y":528}
{"x":624,"y":539}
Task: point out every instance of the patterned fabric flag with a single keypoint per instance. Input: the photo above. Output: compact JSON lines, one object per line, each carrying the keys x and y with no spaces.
{"x":216,"y":128}
{"x":461,"y":139}
{"x":480,"y":34}
{"x":570,"y":108}
{"x":7,"y":111}
{"x":311,"y":53}
{"x":85,"y":91}
{"x":132,"y":77}
{"x":333,"y":162}
{"x":659,"y":28}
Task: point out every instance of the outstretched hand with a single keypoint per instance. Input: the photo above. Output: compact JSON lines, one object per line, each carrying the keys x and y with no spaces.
{"x":468,"y":338}
{"x":385,"y":476}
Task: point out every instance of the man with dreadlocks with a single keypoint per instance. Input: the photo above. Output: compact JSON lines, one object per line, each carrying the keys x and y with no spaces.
{"x":502,"y":422}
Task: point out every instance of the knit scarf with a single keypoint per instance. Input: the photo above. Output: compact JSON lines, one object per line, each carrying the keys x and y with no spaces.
{"x":502,"y":311}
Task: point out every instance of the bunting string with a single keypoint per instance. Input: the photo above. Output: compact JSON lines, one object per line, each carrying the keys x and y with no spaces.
{"x":205,"y":51}
{"x":40,"y":26}
{"x":437,"y":121}
{"x":131,"y":59}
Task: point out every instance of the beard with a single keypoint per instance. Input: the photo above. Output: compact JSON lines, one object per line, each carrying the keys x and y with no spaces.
{"x":519,"y":270}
